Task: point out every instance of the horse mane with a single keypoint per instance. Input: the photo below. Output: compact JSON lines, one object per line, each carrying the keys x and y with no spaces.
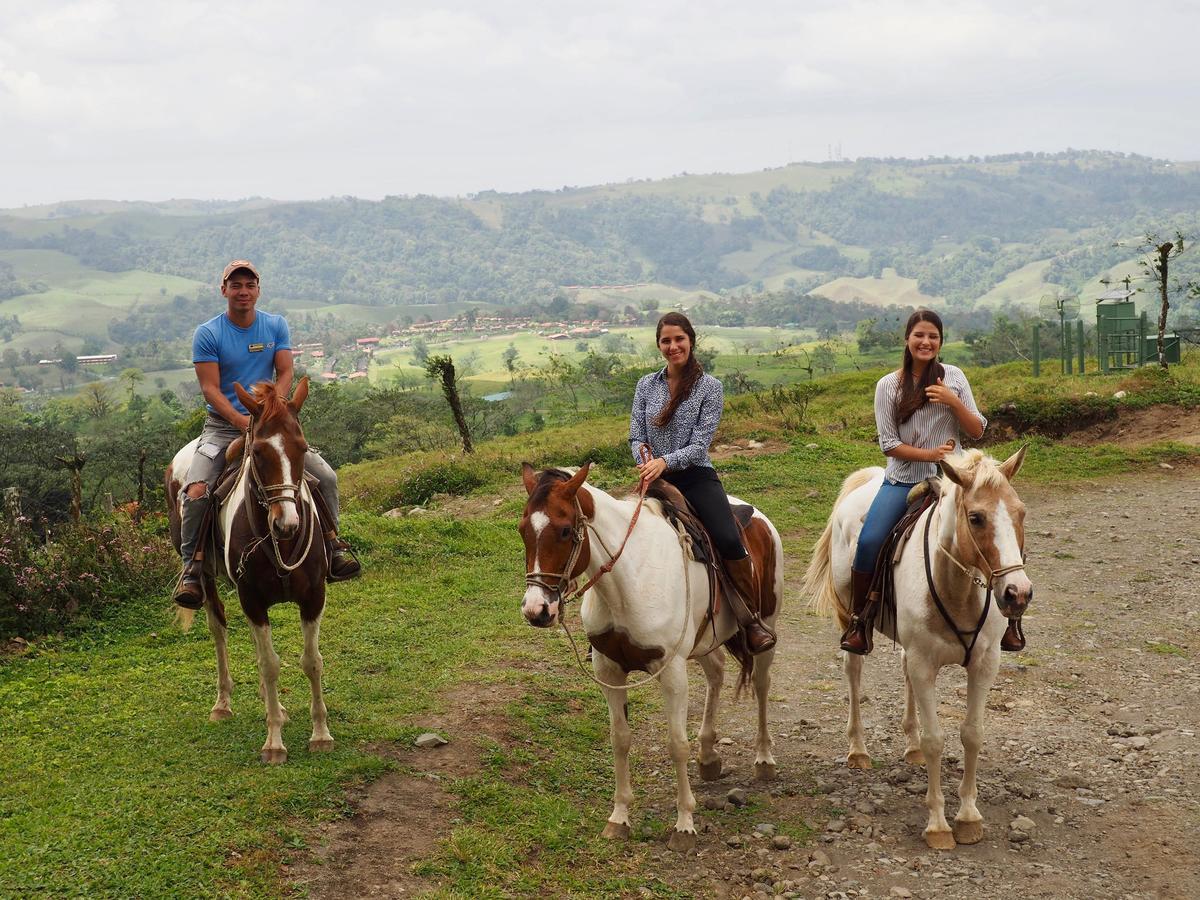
{"x":547,"y":479}
{"x":985,"y":468}
{"x":273,"y":406}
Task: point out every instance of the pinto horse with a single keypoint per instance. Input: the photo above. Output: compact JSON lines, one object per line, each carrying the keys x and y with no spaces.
{"x":649,"y":613}
{"x":271,"y":550}
{"x":962,"y":551}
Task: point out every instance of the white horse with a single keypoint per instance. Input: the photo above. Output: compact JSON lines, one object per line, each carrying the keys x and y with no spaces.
{"x":649,"y":613}
{"x":976,"y":540}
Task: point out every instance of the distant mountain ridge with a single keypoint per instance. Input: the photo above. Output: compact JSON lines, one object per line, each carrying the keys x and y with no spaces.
{"x":1003,"y":228}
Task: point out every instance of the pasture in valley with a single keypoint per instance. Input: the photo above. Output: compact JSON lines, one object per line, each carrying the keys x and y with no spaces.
{"x":117,"y":785}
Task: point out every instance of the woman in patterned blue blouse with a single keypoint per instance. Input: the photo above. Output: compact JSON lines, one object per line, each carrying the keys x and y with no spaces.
{"x":919,"y":410}
{"x":675,"y":413}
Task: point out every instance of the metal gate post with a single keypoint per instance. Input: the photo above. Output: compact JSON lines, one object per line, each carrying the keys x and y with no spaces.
{"x":1079,"y":332}
{"x":1037,"y":349}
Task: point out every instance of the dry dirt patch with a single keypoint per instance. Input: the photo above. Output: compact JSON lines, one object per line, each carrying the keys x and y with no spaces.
{"x":399,"y":819}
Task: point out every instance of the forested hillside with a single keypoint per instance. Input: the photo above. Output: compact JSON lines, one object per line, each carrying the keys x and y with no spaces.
{"x":951,"y":229}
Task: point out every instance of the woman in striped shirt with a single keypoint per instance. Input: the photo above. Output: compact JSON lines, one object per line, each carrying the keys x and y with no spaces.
{"x":676,"y":411}
{"x":919,"y":411}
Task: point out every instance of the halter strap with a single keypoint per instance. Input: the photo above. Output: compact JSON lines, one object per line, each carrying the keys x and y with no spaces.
{"x":993,"y":574}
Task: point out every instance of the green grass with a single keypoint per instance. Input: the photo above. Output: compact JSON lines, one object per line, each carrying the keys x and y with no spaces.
{"x":116,"y":785}
{"x":1166,"y":648}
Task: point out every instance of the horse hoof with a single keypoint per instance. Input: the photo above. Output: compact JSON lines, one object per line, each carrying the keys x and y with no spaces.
{"x":320,"y":746}
{"x":968,"y":832}
{"x":858,"y":761}
{"x":940,"y":840}
{"x":220,"y":715}
{"x":710,"y":771}
{"x":682,"y":841}
{"x":764,"y":771}
{"x":274,"y":757}
{"x":914,"y":757}
{"x":615,"y":831}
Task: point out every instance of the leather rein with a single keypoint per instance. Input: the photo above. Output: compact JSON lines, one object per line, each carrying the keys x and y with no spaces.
{"x":264,"y":495}
{"x":993,"y":574}
{"x":579,"y":531}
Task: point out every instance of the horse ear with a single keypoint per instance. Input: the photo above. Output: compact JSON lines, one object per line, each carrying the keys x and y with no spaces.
{"x":529,"y":476}
{"x":578,"y":479}
{"x":299,"y":395}
{"x":958,"y":476}
{"x":247,"y":401}
{"x":1011,"y":466}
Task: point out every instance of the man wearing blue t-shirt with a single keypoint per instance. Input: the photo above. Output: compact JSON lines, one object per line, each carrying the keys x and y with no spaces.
{"x":245,"y":346}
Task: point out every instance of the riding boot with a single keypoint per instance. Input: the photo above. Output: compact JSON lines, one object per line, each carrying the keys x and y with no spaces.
{"x":1014,"y":637}
{"x":189,"y":591}
{"x":343,"y":564}
{"x":857,"y":637}
{"x":758,"y":636}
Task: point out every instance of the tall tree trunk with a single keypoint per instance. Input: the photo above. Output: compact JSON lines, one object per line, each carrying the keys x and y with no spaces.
{"x":74,"y":464}
{"x":141,"y":495}
{"x":1164,"y":260}
{"x":442,"y":368}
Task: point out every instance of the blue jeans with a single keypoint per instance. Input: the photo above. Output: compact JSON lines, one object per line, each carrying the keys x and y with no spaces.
{"x":887,"y":509}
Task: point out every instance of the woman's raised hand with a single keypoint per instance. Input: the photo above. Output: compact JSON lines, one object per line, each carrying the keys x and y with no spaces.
{"x":939,"y":393}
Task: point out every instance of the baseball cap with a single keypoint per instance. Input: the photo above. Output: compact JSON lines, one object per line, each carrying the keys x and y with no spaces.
{"x":238,"y":264}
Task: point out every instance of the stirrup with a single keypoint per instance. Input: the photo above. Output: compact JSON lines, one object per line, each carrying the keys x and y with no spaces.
{"x":339,"y":549}
{"x":862,"y":629}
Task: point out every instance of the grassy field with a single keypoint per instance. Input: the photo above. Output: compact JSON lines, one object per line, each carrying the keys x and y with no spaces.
{"x":887,"y":290}
{"x":116,"y":785}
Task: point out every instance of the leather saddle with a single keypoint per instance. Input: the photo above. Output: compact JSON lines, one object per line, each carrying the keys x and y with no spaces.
{"x":883,"y":589}
{"x":683,"y":518}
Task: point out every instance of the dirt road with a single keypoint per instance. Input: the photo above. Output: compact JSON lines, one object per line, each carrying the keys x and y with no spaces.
{"x":1092,"y":735}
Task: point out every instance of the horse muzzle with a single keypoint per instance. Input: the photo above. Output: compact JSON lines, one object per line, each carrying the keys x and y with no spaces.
{"x":284,"y":521}
{"x":1015,"y":594}
{"x":540,"y":607}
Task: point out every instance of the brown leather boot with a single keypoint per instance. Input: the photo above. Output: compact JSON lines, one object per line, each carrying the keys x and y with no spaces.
{"x":190,"y":592}
{"x":857,"y":637}
{"x":343,"y":565}
{"x":1014,"y":637}
{"x":759,"y":637}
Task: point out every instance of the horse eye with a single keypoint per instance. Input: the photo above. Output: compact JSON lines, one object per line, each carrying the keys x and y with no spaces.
{"x":975,"y":519}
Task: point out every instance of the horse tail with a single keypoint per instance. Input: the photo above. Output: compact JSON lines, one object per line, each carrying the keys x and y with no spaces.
{"x":184,"y":618}
{"x":818,"y":580}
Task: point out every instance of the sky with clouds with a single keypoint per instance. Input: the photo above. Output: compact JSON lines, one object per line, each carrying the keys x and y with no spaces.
{"x":297,"y":99}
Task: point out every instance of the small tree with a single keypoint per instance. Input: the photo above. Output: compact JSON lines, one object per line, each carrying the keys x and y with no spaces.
{"x":441,"y":368}
{"x":1156,"y":265}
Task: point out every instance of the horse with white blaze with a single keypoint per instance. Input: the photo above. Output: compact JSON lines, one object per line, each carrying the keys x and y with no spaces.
{"x":958,"y":577}
{"x":649,"y":613}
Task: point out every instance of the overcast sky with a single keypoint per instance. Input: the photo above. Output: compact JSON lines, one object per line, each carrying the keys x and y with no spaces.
{"x":295,"y":99}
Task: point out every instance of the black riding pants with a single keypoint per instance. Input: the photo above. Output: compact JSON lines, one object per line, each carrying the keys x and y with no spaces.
{"x":705,"y":492}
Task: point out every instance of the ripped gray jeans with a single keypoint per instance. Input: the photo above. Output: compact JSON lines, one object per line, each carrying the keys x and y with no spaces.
{"x":208,"y":463}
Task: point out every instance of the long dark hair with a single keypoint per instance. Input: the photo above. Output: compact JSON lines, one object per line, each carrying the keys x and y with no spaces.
{"x":692,"y":370}
{"x":912,"y":394}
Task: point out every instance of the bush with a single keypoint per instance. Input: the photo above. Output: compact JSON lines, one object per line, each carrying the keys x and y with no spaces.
{"x":449,"y":477}
{"x":80,"y":571}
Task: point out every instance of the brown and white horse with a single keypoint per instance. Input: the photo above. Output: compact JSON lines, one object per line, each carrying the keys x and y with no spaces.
{"x":272,"y":552}
{"x":647,"y":614}
{"x":974,"y":541}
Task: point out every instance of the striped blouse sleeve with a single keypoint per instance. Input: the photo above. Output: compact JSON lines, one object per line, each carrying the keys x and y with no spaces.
{"x":963,"y":389}
{"x":885,"y":414}
{"x":637,"y":420}
{"x":695,"y":451}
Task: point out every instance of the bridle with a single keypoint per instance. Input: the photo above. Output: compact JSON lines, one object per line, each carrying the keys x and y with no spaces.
{"x":992,"y":575}
{"x":265,"y":495}
{"x":567,"y":593}
{"x":579,"y":535}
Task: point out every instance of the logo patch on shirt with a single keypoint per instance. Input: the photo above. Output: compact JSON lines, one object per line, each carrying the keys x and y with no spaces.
{"x":256,"y":348}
